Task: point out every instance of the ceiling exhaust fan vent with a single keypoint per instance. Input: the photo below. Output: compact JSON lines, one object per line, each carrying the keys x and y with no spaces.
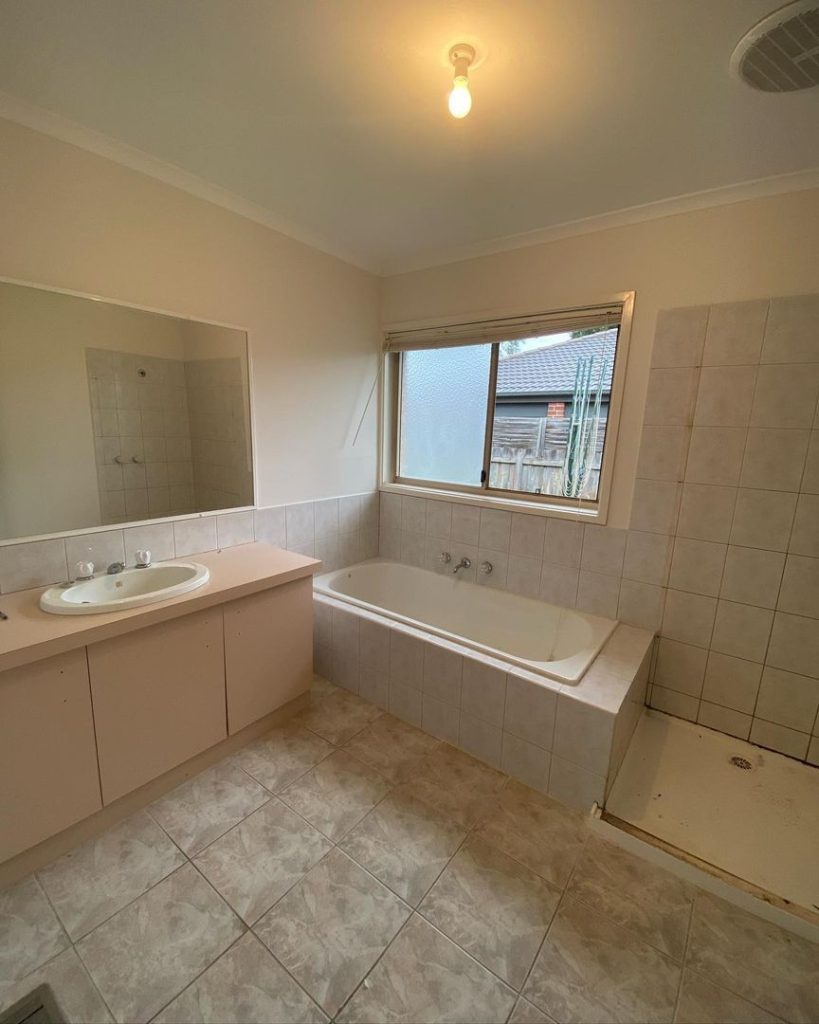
{"x":781,"y":53}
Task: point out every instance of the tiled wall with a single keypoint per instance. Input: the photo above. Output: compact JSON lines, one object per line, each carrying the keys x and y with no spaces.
{"x":334,"y":528}
{"x":140,"y":415}
{"x":219,"y":429}
{"x":722,"y":554}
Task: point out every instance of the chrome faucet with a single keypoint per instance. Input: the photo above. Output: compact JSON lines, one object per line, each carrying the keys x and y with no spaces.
{"x":115,"y":567}
{"x":465,"y":563}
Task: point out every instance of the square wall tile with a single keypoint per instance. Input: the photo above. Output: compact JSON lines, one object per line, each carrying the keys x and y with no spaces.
{"x":734,"y":723}
{"x":779,"y":738}
{"x":763,"y":519}
{"x":725,"y":396}
{"x":680,"y":666}
{"x":678,"y":704}
{"x":495,"y":529}
{"x":752,"y":576}
{"x":406,"y":659}
{"x":234,"y":528}
{"x":679,"y":336}
{"x":786,"y":395}
{"x":191,"y":536}
{"x":774,"y":458}
{"x":483,"y":690}
{"x":439,"y":519}
{"x":641,"y":604}
{"x":405,"y":703}
{"x":706,"y":512}
{"x":663,"y":452}
{"x":390,"y":511}
{"x":156,"y":538}
{"x":734,"y":334}
{"x":413,"y":514}
{"x":794,"y":644}
{"x":655,"y":505}
{"x":325,"y":517}
{"x":440,"y":719}
{"x":731,"y":682}
{"x":800,"y":587}
{"x":671,"y":396}
{"x":526,"y":762}
{"x":697,"y":566}
{"x":563,"y":543}
{"x":647,"y":557}
{"x":527,"y":535}
{"x":598,"y":594}
{"x":523,"y":575}
{"x":574,"y":785}
{"x":742,"y":630}
{"x":480,"y":739}
{"x":558,"y":585}
{"x":689,"y":617}
{"x":269,"y":526}
{"x":349,"y":513}
{"x":466,"y":524}
{"x":715,"y":455}
{"x":583,"y":734}
{"x":299,"y":524}
{"x":603,"y":549}
{"x":442,"y":674}
{"x":37,"y":563}
{"x":530,"y":710}
{"x":790,"y":334}
{"x":786,"y":698}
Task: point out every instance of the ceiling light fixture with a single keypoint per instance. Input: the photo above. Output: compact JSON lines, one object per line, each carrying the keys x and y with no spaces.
{"x":461,"y":57}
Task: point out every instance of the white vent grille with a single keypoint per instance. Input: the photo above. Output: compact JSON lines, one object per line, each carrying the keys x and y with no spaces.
{"x":781,"y":53}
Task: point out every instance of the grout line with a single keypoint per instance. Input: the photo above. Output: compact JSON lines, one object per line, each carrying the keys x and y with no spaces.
{"x":675,"y":1009}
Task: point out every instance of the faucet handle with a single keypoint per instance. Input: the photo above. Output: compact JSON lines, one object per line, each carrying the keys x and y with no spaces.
{"x":84,"y":570}
{"x":445,"y":558}
{"x":142,"y":559}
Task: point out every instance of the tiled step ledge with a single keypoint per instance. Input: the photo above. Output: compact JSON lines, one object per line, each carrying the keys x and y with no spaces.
{"x":565,"y":741}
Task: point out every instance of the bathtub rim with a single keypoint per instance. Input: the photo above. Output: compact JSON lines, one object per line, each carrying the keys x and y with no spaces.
{"x":521,"y":665}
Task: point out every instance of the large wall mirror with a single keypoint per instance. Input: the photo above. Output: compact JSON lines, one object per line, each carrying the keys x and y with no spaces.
{"x":110,"y":414}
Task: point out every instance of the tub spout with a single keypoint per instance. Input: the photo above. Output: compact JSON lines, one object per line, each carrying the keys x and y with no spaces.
{"x":465,"y":563}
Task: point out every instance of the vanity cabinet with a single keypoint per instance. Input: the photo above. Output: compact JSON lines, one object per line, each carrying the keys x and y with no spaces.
{"x":48,"y":758}
{"x":268,"y":651}
{"x":159,"y":698}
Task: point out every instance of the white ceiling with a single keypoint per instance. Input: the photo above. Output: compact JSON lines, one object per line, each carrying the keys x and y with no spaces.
{"x":330,"y":115}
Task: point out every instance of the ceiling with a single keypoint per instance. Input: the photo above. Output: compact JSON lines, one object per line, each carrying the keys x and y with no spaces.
{"x":330,"y":115}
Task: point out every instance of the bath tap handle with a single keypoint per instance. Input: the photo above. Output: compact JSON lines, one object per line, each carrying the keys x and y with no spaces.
{"x":486,"y":568}
{"x":445,"y":558}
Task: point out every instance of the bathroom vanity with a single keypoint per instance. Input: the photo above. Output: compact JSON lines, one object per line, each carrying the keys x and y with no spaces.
{"x":93,"y":707}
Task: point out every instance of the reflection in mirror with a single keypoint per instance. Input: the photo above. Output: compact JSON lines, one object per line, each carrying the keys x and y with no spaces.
{"x":110,"y":414}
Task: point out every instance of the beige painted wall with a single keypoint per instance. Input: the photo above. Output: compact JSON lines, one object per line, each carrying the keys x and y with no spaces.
{"x":746,"y":250}
{"x":73,"y":220}
{"x":48,"y":474}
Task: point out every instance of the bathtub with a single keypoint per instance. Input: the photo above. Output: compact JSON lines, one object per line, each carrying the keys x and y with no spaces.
{"x":554,"y":642}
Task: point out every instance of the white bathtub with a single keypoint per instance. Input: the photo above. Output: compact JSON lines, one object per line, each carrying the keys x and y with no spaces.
{"x":556,"y":642}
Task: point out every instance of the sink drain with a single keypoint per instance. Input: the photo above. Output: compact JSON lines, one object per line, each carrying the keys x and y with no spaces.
{"x":741,"y":762}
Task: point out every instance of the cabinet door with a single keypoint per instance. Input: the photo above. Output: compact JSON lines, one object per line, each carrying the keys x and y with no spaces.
{"x":48,"y":760}
{"x":268,"y":650}
{"x":159,"y":698}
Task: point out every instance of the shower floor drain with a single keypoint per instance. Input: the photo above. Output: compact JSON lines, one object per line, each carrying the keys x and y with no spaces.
{"x":741,"y":762}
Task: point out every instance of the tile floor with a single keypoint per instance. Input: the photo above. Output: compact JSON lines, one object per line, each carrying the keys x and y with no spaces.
{"x":350,"y":867}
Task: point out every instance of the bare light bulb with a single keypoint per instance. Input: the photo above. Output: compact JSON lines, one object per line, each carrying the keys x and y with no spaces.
{"x":460,"y":99}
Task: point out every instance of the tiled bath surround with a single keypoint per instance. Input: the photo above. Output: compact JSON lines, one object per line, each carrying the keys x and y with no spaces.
{"x":566,"y":741}
{"x":338,"y":530}
{"x":722,"y":555}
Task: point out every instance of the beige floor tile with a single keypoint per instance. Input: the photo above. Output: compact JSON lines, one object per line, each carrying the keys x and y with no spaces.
{"x":591,"y":969}
{"x":71,"y":984}
{"x":329,"y":930}
{"x":283,"y":755}
{"x":392,"y":747}
{"x":653,"y":903}
{"x":30,"y":933}
{"x":336,"y":794}
{"x":260,"y":859}
{"x":338,"y":716}
{"x":702,"y":1002}
{"x":320,"y":688}
{"x":539,"y":832}
{"x":425,"y":977}
{"x":405,"y":844}
{"x":757,"y":960}
{"x":526,"y":1013}
{"x":91,"y":883}
{"x":144,"y":956}
{"x":455,"y":784}
{"x":244,"y":986}
{"x":493,"y":907}
{"x":201,"y":810}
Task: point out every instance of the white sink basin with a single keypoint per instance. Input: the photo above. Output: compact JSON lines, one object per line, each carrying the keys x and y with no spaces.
{"x":128,"y":589}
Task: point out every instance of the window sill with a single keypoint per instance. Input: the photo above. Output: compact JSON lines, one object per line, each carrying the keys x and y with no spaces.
{"x":539,"y":508}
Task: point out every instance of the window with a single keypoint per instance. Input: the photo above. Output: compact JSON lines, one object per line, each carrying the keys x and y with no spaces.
{"x":522,"y":408}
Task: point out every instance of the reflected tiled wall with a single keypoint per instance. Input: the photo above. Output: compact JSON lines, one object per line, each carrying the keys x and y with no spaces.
{"x":337,"y":530}
{"x":722,"y":554}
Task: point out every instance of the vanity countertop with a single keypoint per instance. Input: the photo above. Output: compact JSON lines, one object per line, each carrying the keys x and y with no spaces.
{"x":29,"y":633}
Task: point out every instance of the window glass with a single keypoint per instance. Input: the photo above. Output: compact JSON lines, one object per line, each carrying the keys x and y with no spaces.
{"x":444,"y":394}
{"x":551,"y":408}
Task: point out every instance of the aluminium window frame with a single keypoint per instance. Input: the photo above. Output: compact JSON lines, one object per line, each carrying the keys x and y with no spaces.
{"x":389,"y":434}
